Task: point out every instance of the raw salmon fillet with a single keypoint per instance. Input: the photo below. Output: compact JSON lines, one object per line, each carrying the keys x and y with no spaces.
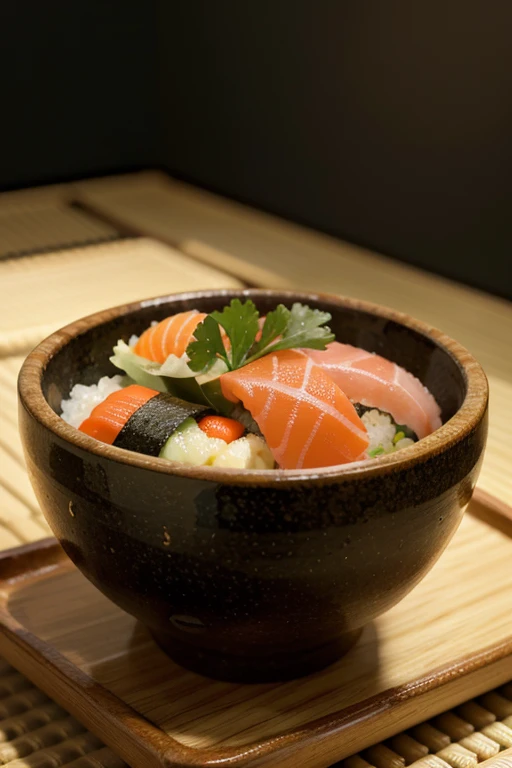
{"x":304,"y":416}
{"x":109,"y":417}
{"x":373,"y":381}
{"x":169,"y":337}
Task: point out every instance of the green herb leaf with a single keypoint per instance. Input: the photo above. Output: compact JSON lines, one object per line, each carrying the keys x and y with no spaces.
{"x":305,"y":328}
{"x":283,"y":329}
{"x":208,"y":346}
{"x":240,"y":321}
{"x":376,"y":452}
{"x":275,"y":325}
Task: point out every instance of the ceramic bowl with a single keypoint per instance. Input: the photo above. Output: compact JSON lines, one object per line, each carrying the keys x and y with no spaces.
{"x":253,"y":575}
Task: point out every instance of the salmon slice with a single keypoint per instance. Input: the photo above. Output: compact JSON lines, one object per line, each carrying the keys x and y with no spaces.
{"x":169,"y":337}
{"x":109,"y":417}
{"x":304,"y":416}
{"x":373,"y":381}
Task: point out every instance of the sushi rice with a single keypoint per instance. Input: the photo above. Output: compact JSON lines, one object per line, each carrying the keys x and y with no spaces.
{"x":83,"y":399}
{"x":189,"y":445}
{"x":385,"y":436}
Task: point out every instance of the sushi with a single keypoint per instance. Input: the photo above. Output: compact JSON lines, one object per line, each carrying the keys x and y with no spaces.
{"x":304,"y":416}
{"x":233,"y":389}
{"x":373,"y":381}
{"x":169,"y":337}
{"x":141,"y":419}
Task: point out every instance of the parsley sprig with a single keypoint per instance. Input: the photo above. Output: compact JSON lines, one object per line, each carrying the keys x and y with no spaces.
{"x":283,"y":328}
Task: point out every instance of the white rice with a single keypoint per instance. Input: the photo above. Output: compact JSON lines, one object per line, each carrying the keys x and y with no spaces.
{"x":381,"y":431}
{"x":83,"y":399}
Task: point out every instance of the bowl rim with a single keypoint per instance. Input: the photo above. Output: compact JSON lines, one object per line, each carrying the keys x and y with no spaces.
{"x":468,"y":416}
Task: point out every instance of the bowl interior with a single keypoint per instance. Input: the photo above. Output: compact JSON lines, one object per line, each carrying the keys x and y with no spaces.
{"x":86,"y":357}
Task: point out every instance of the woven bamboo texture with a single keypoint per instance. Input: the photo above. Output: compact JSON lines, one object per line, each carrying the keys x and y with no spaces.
{"x":45,"y":221}
{"x":37,"y":733}
{"x":34,"y":731}
{"x":21,"y":519}
{"x":41,"y":293}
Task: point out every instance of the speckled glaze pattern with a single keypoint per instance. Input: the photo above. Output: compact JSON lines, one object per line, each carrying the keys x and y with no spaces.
{"x":253,"y":575}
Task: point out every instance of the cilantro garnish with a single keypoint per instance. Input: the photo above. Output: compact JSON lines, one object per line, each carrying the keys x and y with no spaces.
{"x":240,"y":321}
{"x":283,"y":328}
{"x":208,"y":346}
{"x":276,"y":323}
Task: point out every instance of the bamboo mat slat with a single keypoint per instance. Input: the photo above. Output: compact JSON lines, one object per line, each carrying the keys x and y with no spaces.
{"x":54,"y":194}
{"x":46,"y":225}
{"x":21,"y":520}
{"x":41,"y":293}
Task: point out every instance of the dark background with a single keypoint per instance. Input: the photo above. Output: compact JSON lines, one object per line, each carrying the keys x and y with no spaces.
{"x":385,"y":122}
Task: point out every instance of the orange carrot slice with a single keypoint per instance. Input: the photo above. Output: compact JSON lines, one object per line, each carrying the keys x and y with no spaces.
{"x":221,"y":427}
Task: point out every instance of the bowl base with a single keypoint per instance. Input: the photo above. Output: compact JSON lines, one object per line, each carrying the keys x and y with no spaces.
{"x":274,"y":668}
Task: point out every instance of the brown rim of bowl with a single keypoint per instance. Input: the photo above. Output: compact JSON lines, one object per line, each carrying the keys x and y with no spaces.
{"x":455,"y":429}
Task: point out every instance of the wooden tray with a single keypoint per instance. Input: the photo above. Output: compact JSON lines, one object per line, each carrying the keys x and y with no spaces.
{"x":449,"y":640}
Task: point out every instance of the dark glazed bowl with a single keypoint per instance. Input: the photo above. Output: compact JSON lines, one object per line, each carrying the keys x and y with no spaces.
{"x":250,"y":574}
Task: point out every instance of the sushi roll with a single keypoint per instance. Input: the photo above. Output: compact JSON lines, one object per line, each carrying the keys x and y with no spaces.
{"x":141,"y":419}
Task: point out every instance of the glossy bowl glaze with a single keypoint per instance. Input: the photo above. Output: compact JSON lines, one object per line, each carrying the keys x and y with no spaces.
{"x":253,"y":575}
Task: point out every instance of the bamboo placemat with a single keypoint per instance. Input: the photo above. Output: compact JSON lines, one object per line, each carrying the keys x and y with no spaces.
{"x":41,"y":293}
{"x":21,"y":519}
{"x":34,"y":225}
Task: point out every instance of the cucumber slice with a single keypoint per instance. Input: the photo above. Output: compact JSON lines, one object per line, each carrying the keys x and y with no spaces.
{"x":190,"y":445}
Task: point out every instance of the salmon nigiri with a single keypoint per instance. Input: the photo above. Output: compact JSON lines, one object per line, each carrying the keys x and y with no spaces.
{"x":373,"y":381}
{"x":169,"y":337}
{"x":304,"y":416}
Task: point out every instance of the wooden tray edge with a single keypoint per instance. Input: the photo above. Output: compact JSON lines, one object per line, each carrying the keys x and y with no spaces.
{"x":133,"y":737}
